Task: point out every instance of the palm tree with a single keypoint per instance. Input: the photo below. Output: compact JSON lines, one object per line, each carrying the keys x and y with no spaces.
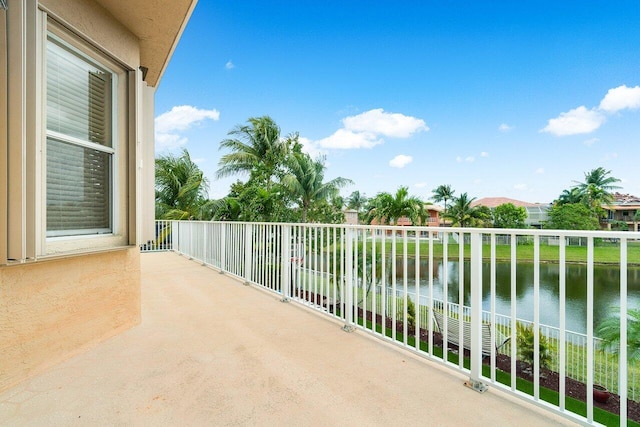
{"x":462,"y":214}
{"x":597,"y":187}
{"x":568,"y":196}
{"x":356,"y":201}
{"x":181,"y":189}
{"x":255,"y":148}
{"x":390,"y":208}
{"x":609,"y":331}
{"x":443,"y":193}
{"x":305,"y":181}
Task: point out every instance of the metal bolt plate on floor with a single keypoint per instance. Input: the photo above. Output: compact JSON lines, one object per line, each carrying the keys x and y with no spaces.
{"x":476,"y":386}
{"x":348,"y":328}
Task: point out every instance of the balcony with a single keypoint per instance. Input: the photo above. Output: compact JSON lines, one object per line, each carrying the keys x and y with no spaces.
{"x":210,"y":349}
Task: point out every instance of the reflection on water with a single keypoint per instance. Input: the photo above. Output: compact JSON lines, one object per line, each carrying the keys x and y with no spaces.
{"x":606,"y":289}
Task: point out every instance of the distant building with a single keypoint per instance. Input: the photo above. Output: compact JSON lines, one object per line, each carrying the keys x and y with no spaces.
{"x":624,"y":208}
{"x":432,"y":221}
{"x":537,"y":213}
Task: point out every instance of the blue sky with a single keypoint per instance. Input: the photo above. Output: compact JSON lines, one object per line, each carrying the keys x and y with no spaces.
{"x":509,"y":99}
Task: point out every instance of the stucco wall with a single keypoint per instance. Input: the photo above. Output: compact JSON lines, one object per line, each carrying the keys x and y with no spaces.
{"x":51,"y":310}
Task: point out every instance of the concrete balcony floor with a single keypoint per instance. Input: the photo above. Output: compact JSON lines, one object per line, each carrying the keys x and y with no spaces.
{"x":210,"y":351}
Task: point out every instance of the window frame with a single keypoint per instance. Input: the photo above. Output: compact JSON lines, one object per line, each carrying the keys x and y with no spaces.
{"x":83,"y":240}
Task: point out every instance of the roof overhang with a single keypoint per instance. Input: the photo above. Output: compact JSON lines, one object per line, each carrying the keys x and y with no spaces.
{"x":158,"y":24}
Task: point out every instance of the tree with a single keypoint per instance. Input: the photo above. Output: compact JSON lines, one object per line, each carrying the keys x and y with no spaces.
{"x":462,"y":214}
{"x":596,"y":189}
{"x":255,"y":148}
{"x":181,"y":189}
{"x":390,"y":208}
{"x":442,"y":193}
{"x":609,"y":331}
{"x":507,"y":215}
{"x":571,"y":195}
{"x":356,"y":201}
{"x":305,"y":182}
{"x":572,"y":216}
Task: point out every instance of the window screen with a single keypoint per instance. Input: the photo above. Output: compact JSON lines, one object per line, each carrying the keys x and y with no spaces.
{"x":79,"y":143}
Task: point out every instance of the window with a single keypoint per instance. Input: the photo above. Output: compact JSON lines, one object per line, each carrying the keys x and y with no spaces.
{"x":79,"y":143}
{"x":84,"y":144}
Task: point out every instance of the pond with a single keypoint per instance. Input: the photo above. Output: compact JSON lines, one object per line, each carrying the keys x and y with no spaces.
{"x":606,"y":289}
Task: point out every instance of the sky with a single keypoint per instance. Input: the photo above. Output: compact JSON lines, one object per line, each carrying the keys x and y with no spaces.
{"x":495,"y":98}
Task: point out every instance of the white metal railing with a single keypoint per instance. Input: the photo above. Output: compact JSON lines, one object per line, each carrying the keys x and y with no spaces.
{"x":345,"y":271}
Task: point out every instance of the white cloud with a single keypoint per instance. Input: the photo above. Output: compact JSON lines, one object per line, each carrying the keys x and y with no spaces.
{"x":229,"y":65}
{"x":377,"y":121}
{"x":346,"y":139}
{"x":166,"y":141}
{"x":468,"y":159}
{"x":310,"y":147}
{"x":540,"y":171}
{"x":180,"y":118}
{"x":590,"y":142}
{"x":484,"y":154}
{"x":400,"y":161}
{"x":520,"y":186}
{"x":621,"y":98}
{"x":366,"y":130}
{"x":576,"y":121}
{"x":505,"y":127}
{"x":420,"y":185}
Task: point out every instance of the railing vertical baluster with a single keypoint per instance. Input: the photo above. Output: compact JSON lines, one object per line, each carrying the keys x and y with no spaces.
{"x":492,"y":312}
{"x":536,"y":317}
{"x":394,"y":295}
{"x":430,"y":312}
{"x":286,"y":262}
{"x":383,"y":295}
{"x":223,"y":248}
{"x":461,"y":298}
{"x":248,"y":252}
{"x":476,"y":313}
{"x":562,"y":324}
{"x":590,"y":328}
{"x":417,"y":313}
{"x":622,"y":356}
{"x":513,"y":299}
{"x":405,"y":297}
{"x":445,"y":296}
{"x":374,"y":278}
{"x":348,"y":326}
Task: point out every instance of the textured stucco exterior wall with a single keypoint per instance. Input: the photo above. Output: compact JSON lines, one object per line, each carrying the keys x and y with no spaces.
{"x":50,"y":311}
{"x":97,"y":25}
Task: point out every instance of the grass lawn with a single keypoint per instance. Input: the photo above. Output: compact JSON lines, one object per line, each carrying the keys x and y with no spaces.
{"x":574,"y":254}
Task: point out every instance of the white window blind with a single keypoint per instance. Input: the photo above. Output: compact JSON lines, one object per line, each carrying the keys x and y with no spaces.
{"x":79,"y":143}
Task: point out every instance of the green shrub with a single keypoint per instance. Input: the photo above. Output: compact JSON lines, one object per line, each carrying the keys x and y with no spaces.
{"x":525,"y":345}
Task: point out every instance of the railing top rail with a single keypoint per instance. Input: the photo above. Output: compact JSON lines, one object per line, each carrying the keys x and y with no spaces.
{"x":629,"y":235}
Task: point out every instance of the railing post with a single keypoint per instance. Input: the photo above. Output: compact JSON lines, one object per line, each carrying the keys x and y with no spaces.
{"x":348,"y":254}
{"x":248,"y":252}
{"x":285,"y":265}
{"x":476,"y":314}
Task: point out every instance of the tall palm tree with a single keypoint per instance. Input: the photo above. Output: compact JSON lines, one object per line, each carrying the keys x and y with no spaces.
{"x":462,"y":214}
{"x":597,"y":187}
{"x":442,"y":193}
{"x":255,"y":148}
{"x":390,"y":208}
{"x":181,"y":188}
{"x":306,"y":183}
{"x":356,"y":201}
